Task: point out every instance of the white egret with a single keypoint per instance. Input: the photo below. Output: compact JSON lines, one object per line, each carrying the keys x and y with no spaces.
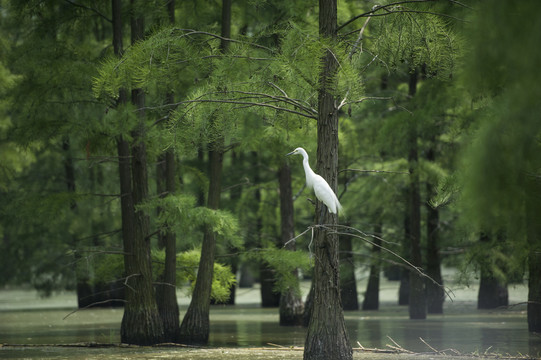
{"x":314,"y":181}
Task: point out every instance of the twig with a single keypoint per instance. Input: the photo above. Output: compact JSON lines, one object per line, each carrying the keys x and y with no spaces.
{"x":93,"y":304}
{"x":375,"y":171}
{"x":429,"y":346}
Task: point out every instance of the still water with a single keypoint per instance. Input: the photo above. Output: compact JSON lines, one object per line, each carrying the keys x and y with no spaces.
{"x":26,"y":319}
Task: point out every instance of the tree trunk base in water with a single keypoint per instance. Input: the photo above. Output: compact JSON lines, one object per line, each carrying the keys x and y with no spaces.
{"x":195,"y":327}
{"x":291,"y":309}
{"x":141,"y":327}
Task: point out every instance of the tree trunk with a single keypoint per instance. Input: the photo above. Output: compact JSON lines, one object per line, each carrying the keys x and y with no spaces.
{"x":533,"y":209}
{"x":291,"y":306}
{"x":195,"y":327}
{"x":404,"y":289}
{"x":417,"y":298}
{"x":327,"y":337}
{"x":492,"y":291}
{"x":371,"y":297}
{"x":166,"y":295}
{"x":348,"y":283}
{"x":269,"y":296}
{"x":434,"y":293}
{"x":141,"y":323}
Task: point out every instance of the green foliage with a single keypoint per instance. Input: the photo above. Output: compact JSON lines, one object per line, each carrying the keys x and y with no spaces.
{"x":110,"y":267}
{"x":503,"y":154}
{"x":285,"y":264}
{"x":414,"y":40}
{"x":179,"y":213}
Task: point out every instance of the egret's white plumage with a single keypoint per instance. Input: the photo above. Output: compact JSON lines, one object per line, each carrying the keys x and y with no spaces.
{"x":321,"y":188}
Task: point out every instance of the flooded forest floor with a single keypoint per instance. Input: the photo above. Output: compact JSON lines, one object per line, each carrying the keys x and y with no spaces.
{"x":36,"y":328}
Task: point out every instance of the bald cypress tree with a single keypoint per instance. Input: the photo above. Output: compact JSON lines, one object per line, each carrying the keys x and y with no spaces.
{"x":327,"y":337}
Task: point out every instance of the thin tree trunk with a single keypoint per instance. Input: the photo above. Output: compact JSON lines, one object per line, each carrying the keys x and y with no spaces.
{"x":417,"y":302}
{"x":434,"y":293}
{"x":166,"y":296}
{"x":195,"y":327}
{"x":141,"y":323}
{"x":493,"y":292}
{"x":291,"y":306}
{"x":533,"y":209}
{"x":348,"y":282}
{"x":327,"y":337}
{"x":404,"y":289}
{"x":371,"y":297}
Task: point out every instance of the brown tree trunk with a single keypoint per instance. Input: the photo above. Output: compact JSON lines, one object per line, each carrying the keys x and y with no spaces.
{"x":533,"y":226}
{"x":404,"y":289}
{"x":417,"y":298}
{"x":291,"y":306}
{"x":195,"y":327}
{"x":371,"y":297}
{"x":166,"y":296}
{"x":348,"y":282}
{"x":434,"y":293}
{"x":141,"y":322}
{"x":327,"y":337}
{"x":493,"y":292}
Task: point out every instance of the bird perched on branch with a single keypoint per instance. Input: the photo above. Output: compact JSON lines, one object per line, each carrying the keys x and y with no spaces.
{"x":323,"y":191}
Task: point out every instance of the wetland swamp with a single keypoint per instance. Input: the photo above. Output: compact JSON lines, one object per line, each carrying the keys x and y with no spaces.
{"x":246,"y":328}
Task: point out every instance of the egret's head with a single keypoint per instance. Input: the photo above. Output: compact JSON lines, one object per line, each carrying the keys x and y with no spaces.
{"x":298,"y":150}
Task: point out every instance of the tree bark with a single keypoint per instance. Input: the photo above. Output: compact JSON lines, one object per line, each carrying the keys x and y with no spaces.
{"x":195,"y":327}
{"x":291,"y":305}
{"x":327,"y":337}
{"x":166,"y":296}
{"x":348,"y":282}
{"x":493,"y":292}
{"x":371,"y":297}
{"x":404,"y":289}
{"x":141,"y":323}
{"x":533,"y":209}
{"x":434,"y":293}
{"x":417,"y":298}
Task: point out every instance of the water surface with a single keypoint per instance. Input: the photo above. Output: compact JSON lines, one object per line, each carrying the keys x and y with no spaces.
{"x":27,"y":319}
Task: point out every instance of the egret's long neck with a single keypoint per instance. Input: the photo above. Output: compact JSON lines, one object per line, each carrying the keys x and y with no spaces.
{"x":308,"y":171}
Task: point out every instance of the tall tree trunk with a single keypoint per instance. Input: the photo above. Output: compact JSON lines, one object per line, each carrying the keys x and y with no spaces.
{"x":434,"y":293}
{"x":291,"y":306}
{"x":327,"y":337}
{"x":404,"y":289}
{"x":533,"y":209}
{"x":417,"y":300}
{"x":371,"y":297}
{"x":166,"y":296}
{"x":348,"y":282}
{"x":269,"y":296}
{"x":141,"y":323}
{"x":493,"y":292}
{"x":195,"y":327}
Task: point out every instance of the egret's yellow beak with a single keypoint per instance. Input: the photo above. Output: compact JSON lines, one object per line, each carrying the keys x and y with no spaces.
{"x":291,"y":153}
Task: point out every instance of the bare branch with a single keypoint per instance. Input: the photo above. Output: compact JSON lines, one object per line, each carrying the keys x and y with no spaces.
{"x":372,"y":12}
{"x":89,"y":8}
{"x":93,"y":304}
{"x":375,"y":171}
{"x":250,"y":104}
{"x":189,"y":32}
{"x":343,"y":103}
